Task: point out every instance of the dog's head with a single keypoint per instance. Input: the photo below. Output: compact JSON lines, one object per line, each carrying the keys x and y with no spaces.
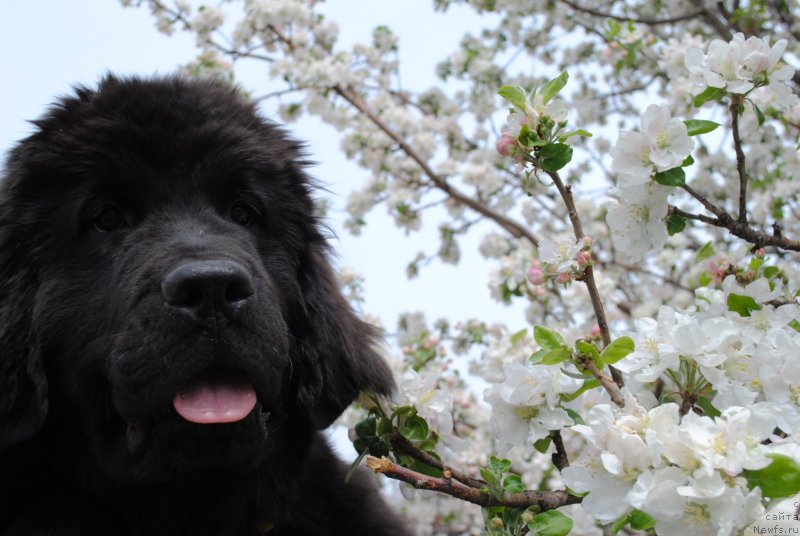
{"x":166,"y":293}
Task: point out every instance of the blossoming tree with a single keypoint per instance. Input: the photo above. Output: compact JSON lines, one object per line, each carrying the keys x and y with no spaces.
{"x":644,"y":202}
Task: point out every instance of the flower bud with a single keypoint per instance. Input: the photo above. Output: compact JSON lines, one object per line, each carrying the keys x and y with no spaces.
{"x":526,"y":517}
{"x":536,"y":276}
{"x":505,"y":144}
{"x":564,"y":278}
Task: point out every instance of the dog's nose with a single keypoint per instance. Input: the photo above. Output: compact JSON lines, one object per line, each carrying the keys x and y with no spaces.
{"x":204,"y":288}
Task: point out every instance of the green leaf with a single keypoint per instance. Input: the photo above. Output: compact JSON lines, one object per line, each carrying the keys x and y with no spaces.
{"x":550,"y":523}
{"x":414,"y":428}
{"x":518,"y":336}
{"x":554,"y":156}
{"x":771,"y":271}
{"x":705,"y":252}
{"x":428,"y":445}
{"x":759,"y":114}
{"x":515,"y":95}
{"x":538,"y":355}
{"x":574,"y":415}
{"x":547,"y":338}
{"x":551,"y":89}
{"x":401,"y":412}
{"x":553,"y":357}
{"x":383,"y":426}
{"x":619,"y":523}
{"x":489,"y":476}
{"x":699,"y":126}
{"x":641,"y":521}
{"x":578,"y":132}
{"x":578,"y":375}
{"x":588,"y":349}
{"x":499,"y":465}
{"x":616,"y":350}
{"x":708,"y":408}
{"x":743,"y":305}
{"x":513,"y":484}
{"x":543,"y":444}
{"x":781,"y":478}
{"x":675,"y":224}
{"x":795,"y":325}
{"x":588,"y":384}
{"x":354,"y":467}
{"x":711,"y":93}
{"x":688,"y":161}
{"x":366,"y":428}
{"x":671,"y":177}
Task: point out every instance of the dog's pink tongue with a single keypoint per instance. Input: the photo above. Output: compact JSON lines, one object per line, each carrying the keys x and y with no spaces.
{"x":210,"y":400}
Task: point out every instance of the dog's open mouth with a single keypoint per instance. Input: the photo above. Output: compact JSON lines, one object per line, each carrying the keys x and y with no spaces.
{"x":216,"y":396}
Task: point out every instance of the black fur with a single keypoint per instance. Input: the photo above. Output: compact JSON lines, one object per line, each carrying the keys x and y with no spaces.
{"x":117,"y":189}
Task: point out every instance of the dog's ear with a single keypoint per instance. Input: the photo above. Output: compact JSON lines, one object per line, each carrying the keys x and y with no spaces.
{"x":23,"y":386}
{"x":337,"y":350}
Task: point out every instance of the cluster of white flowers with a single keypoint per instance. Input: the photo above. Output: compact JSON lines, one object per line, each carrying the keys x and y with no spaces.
{"x":205,"y":22}
{"x":561,"y":260}
{"x":525,"y":405}
{"x":636,"y":217}
{"x":745,"y":358}
{"x":684,"y":472}
{"x":663,"y":143}
{"x":638,"y":208}
{"x":740,"y":65}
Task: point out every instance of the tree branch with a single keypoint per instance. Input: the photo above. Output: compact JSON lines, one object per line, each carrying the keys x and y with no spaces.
{"x":736,"y":101}
{"x":742,"y":230}
{"x":546,"y":500}
{"x":512,"y":227}
{"x":559,"y":457}
{"x":588,"y":274}
{"x":649,"y":22}
{"x":401,"y":445}
{"x":607,"y":383}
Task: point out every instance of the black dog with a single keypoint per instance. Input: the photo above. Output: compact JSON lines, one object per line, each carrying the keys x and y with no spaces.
{"x":171,"y":335}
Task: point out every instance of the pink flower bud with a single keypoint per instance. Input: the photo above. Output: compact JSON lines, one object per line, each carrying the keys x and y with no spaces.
{"x":760,"y":253}
{"x":536,"y":276}
{"x":595,"y":330}
{"x":583,"y":258}
{"x":505,"y":144}
{"x":564,"y":278}
{"x":587,"y":241}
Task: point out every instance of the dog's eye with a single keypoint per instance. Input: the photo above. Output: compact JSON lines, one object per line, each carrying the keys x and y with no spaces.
{"x":243,"y":214}
{"x":108,"y":219}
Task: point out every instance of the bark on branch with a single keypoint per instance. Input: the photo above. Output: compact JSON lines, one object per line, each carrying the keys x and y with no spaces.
{"x":546,"y":500}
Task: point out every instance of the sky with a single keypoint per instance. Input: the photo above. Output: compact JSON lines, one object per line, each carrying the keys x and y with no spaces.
{"x":48,"y":46}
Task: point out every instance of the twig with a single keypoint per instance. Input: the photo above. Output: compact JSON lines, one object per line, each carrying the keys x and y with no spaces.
{"x":608,"y":384}
{"x":512,"y":227}
{"x":709,"y":206}
{"x":736,"y":101}
{"x":401,"y":445}
{"x":757,"y":238}
{"x":588,"y":274}
{"x":546,"y":500}
{"x":649,"y":22}
{"x":559,"y":457}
